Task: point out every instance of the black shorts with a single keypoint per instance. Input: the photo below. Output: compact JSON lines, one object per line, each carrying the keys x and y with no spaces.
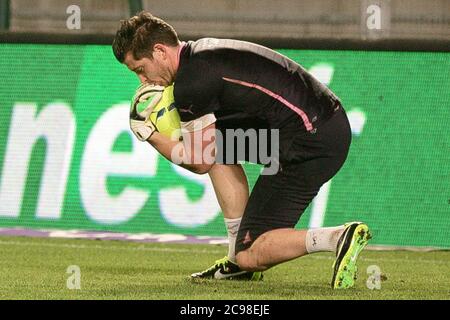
{"x":278,"y":201}
{"x":227,"y":146}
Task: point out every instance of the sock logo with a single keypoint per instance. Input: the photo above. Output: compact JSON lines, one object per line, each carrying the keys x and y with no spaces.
{"x":233,"y":229}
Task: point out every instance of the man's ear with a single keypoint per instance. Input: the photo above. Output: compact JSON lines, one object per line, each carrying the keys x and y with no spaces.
{"x":159,"y":50}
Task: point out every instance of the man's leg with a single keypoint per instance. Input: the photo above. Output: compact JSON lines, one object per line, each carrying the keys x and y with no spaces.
{"x":267,"y":236}
{"x":281,"y":245}
{"x":231,"y":187}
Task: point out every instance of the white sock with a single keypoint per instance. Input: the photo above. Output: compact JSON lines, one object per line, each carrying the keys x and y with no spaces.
{"x":232,"y":229}
{"x":323,"y":239}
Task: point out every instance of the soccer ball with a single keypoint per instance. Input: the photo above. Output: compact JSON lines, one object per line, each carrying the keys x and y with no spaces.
{"x":165,"y":116}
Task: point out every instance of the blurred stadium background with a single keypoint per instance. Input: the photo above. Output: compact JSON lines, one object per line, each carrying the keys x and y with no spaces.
{"x":68,"y":160}
{"x":288,"y":19}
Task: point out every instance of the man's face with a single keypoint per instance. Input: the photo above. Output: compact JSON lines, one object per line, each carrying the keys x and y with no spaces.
{"x":153,"y":71}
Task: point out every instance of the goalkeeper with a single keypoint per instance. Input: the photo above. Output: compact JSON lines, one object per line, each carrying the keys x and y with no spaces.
{"x":215,"y":77}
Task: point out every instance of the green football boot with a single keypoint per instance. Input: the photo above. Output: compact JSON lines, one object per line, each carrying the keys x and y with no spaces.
{"x":224,"y":269}
{"x":350,"y":244}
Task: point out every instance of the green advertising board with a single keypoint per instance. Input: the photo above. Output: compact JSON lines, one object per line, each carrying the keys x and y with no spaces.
{"x":69,"y":161}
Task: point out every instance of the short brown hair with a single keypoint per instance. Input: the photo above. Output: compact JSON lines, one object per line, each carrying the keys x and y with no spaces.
{"x":140,"y":33}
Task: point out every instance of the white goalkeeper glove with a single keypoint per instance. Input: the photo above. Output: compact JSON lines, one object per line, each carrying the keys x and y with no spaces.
{"x":144,"y":101}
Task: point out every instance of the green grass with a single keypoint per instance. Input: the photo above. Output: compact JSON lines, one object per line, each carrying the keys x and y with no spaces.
{"x":33,"y":268}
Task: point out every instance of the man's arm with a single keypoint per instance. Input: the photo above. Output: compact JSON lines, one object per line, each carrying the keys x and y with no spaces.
{"x":195,"y":153}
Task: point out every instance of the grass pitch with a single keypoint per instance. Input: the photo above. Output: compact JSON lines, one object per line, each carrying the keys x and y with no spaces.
{"x":35,"y":268}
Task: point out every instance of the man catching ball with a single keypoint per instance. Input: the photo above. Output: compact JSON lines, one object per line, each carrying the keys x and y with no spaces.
{"x":217,"y":77}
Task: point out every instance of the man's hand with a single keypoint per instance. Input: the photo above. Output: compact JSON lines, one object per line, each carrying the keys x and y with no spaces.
{"x":144,"y":101}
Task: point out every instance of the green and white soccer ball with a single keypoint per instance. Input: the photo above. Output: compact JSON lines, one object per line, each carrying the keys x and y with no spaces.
{"x":165,"y":116}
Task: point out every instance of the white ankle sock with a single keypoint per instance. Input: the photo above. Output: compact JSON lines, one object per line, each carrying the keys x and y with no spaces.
{"x":232,"y":229}
{"x":323,"y":239}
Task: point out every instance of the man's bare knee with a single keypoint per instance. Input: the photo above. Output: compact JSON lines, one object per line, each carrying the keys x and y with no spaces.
{"x":246,"y":261}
